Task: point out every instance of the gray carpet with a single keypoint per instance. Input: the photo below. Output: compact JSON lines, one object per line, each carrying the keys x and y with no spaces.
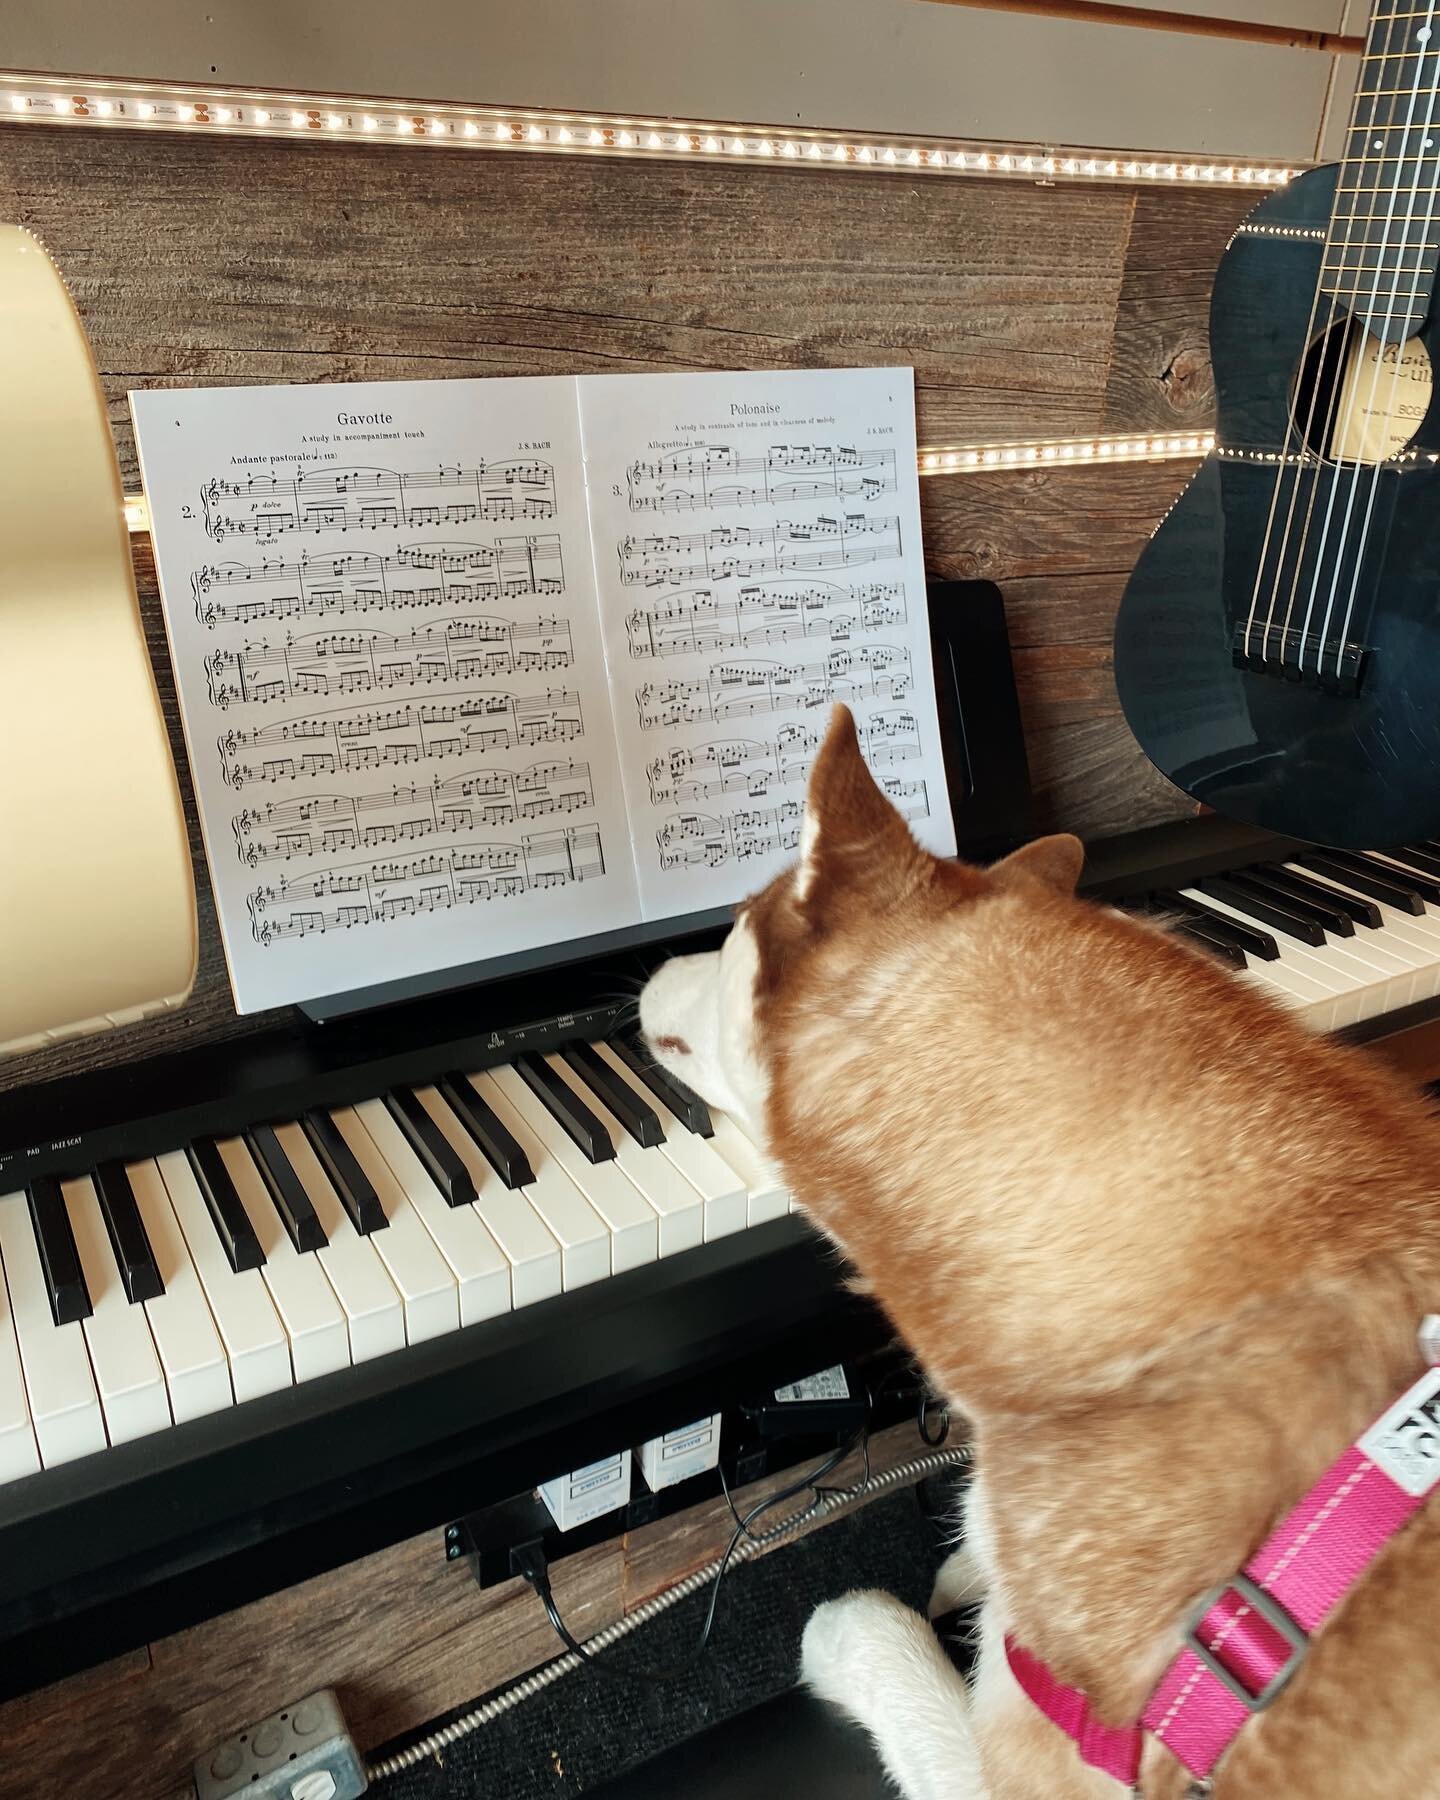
{"x":585,"y":1730}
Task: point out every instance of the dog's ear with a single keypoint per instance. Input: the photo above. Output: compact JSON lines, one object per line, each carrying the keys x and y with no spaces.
{"x":853,"y":843}
{"x":1055,"y":862}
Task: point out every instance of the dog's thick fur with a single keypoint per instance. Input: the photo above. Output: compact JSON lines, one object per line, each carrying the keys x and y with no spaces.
{"x":1166,"y":1251}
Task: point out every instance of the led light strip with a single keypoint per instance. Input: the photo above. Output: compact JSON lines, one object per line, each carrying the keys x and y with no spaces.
{"x":959,"y":458}
{"x":233,"y":112}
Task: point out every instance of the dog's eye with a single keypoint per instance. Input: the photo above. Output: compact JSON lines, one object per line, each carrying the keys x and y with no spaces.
{"x":676,"y":1046}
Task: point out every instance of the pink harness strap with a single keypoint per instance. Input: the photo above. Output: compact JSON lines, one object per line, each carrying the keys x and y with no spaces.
{"x":1250,"y":1635}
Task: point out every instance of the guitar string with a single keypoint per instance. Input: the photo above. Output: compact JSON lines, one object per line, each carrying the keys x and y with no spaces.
{"x":1340,"y":429}
{"x":1303,"y":435}
{"x":1412,"y":302}
{"x":1353,"y":397}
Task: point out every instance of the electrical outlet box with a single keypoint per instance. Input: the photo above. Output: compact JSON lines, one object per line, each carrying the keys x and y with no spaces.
{"x":678,"y":1455}
{"x":304,"y":1752}
{"x":601,"y":1487}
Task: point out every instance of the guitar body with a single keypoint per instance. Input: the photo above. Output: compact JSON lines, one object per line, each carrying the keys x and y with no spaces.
{"x":1273,"y":746}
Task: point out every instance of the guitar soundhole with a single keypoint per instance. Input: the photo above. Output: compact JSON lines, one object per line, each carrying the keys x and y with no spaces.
{"x":1357,"y":400}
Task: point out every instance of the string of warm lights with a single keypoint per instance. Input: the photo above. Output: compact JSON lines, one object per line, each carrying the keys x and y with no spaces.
{"x":232,"y":112}
{"x":955,"y":459}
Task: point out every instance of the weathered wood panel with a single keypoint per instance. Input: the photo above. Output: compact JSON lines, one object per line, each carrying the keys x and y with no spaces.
{"x":403,"y":1635}
{"x":1025,"y":311}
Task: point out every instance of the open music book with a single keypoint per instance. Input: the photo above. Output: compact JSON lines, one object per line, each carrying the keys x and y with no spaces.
{"x":473,"y":667}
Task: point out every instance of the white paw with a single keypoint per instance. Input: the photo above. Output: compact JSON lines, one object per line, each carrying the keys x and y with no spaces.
{"x":959,"y":1581}
{"x":844,"y":1641}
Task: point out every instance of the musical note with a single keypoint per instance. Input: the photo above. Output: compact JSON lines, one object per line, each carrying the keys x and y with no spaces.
{"x":715,"y":475}
{"x":756,"y":766}
{"x":412,"y":886}
{"x":415,"y":575}
{"x":358,"y":662}
{"x":266,"y":506}
{"x":702,"y":620}
{"x":741,"y":689}
{"x":746,"y":550}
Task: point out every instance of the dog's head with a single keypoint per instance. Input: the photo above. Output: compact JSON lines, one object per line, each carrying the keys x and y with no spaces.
{"x":862,"y":885}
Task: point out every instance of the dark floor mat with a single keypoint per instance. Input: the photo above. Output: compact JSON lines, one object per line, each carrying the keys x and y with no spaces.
{"x":585,"y":1730}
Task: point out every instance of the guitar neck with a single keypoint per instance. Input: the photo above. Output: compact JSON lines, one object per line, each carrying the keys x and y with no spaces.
{"x":1383,"y":244}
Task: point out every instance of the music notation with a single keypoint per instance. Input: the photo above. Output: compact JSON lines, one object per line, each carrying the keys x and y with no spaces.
{"x":327,"y":824}
{"x":267,"y":506}
{"x":688,"y":840}
{"x":703,"y":620}
{"x":370,"y":893}
{"x":320,"y":586}
{"x":357,"y":662}
{"x":733,"y":690}
{"x":745,"y":550}
{"x":756,"y":766}
{"x":718,"y":475}
{"x":348,"y":740}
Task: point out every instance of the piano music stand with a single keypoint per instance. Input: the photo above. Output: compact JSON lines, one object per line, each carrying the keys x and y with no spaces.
{"x":985,"y":768}
{"x":97,"y":904}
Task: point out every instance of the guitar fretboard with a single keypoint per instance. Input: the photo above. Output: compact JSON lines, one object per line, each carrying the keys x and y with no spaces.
{"x":1383,"y":244}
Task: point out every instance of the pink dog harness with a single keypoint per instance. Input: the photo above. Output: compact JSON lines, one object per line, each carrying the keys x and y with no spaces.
{"x":1249,"y":1636}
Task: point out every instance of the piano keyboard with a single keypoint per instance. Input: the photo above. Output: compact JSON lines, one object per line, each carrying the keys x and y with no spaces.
{"x":1339,"y":938}
{"x":153,"y":1291}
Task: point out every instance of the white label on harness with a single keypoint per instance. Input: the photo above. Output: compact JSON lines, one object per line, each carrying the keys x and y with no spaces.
{"x":1405,"y":1441}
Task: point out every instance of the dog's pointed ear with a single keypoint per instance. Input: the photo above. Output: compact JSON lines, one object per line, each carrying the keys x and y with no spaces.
{"x":852,"y":839}
{"x":1055,"y":862}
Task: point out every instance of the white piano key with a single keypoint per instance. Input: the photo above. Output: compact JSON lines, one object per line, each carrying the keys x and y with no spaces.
{"x":479,"y":1267}
{"x":524,"y":1239}
{"x":722,"y":1190}
{"x":197,"y":1370}
{"x":422,"y":1276}
{"x":127,"y":1371}
{"x":1322,"y":1001}
{"x":255,"y":1342}
{"x":374,"y":1313}
{"x":59,"y":1384}
{"x":19,"y":1453}
{"x":303,"y":1298}
{"x":583,"y":1236}
{"x":1404,"y":933}
{"x":629,"y":1199}
{"x":769,"y":1197}
{"x":672,"y":1216}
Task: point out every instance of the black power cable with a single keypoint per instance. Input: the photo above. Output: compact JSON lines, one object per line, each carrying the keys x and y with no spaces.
{"x":529,"y":1561}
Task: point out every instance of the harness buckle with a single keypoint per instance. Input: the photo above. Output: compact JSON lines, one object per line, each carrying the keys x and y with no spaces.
{"x":1274,"y":1615}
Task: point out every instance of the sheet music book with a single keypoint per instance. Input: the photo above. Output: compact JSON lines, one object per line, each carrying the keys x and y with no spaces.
{"x":475,"y":667}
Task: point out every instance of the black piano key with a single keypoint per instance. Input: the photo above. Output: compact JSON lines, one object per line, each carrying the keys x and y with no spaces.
{"x":1359,"y":910}
{"x":688,"y":1108}
{"x":432,"y":1146}
{"x":1413,"y":875}
{"x":1265,"y":909}
{"x":227,"y":1209}
{"x":1195,"y":930}
{"x":1310,"y":899}
{"x":503,"y":1153}
{"x":296,"y":1210}
{"x":354,"y":1187}
{"x":59,"y":1259}
{"x":1418,"y":856}
{"x":1365,"y":879}
{"x":640,"y":1120}
{"x":133,"y":1256}
{"x":566,"y":1107}
{"x":1250,"y":938}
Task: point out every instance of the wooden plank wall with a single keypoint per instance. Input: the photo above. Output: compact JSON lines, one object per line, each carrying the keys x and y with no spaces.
{"x":1025,"y":310}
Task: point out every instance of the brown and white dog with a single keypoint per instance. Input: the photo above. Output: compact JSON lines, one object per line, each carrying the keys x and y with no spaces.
{"x":1165,"y":1250}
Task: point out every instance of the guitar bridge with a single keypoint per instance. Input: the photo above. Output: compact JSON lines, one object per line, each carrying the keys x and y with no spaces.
{"x":1289,"y":654}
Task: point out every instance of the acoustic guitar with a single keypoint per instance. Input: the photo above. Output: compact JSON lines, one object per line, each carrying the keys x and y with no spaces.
{"x":1277,"y":651}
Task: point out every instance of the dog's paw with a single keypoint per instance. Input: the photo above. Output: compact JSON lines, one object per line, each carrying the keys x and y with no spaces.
{"x":959,"y":1581}
{"x":845,"y":1641}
